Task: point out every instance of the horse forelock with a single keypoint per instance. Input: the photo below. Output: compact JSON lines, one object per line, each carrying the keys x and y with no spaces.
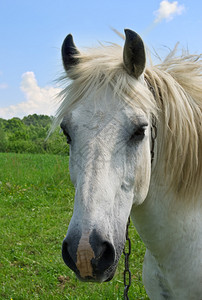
{"x":177,"y":86}
{"x":97,"y":69}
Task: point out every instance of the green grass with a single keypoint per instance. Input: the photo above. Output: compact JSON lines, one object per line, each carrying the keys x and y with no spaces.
{"x":36,"y":204}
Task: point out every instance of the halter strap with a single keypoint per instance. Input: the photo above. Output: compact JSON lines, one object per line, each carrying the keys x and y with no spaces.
{"x":153,"y":125}
{"x":153,"y":136}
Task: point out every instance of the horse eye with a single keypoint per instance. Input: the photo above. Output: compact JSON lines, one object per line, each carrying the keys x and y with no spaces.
{"x":68,"y":137}
{"x":139,"y":133}
{"x":66,"y":133}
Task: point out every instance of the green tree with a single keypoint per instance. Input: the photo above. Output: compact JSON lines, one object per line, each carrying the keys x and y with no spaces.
{"x":3,"y":140}
{"x":29,"y":135}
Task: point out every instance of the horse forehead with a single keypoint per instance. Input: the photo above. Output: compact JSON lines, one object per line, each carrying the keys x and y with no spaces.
{"x":95,"y":115}
{"x":96,"y":126}
{"x":97,"y":110}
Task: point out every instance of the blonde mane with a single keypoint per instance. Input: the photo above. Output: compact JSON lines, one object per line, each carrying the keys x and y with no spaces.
{"x":176,"y":98}
{"x":177,"y":83}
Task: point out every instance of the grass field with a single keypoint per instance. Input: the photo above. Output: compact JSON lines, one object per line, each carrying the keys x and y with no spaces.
{"x":36,"y":204}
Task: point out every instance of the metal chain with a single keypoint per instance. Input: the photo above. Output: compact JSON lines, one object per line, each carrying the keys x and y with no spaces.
{"x":127,"y":273}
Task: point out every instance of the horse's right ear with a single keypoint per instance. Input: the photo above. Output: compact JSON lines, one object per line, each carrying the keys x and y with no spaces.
{"x":69,"y":53}
{"x":134,"y":57}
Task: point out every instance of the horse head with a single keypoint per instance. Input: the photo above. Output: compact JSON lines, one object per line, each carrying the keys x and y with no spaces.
{"x":110,"y":155}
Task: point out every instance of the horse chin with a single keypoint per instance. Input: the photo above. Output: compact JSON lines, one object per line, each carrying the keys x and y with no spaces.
{"x":107,"y":276}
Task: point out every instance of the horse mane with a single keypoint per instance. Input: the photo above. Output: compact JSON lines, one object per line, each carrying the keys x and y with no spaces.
{"x":176,"y":97}
{"x":177,"y":84}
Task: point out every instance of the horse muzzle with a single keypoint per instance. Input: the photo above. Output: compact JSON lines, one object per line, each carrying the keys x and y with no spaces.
{"x":90,"y":256}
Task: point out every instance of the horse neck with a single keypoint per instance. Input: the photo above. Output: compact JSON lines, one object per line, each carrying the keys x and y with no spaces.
{"x":163,"y":218}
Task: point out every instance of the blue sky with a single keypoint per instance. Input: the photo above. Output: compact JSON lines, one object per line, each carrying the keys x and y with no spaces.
{"x":32,"y":31}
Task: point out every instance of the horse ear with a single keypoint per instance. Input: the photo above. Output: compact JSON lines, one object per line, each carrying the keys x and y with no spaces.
{"x":69,"y":53}
{"x":134,"y":57}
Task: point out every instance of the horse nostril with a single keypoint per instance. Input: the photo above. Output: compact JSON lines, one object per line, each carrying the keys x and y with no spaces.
{"x":67,"y":257}
{"x":105,"y":259}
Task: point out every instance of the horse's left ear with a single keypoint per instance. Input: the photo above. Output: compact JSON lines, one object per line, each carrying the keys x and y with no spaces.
{"x":69,"y":53}
{"x":134,"y":57}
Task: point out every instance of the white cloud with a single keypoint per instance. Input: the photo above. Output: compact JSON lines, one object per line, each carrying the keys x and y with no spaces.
{"x":168,"y":10}
{"x":39,"y":100}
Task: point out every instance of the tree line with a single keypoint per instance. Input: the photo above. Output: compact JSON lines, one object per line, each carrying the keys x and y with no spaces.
{"x":29,"y":135}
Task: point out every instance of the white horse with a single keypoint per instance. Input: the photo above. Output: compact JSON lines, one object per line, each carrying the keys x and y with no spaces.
{"x":109,"y":113}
